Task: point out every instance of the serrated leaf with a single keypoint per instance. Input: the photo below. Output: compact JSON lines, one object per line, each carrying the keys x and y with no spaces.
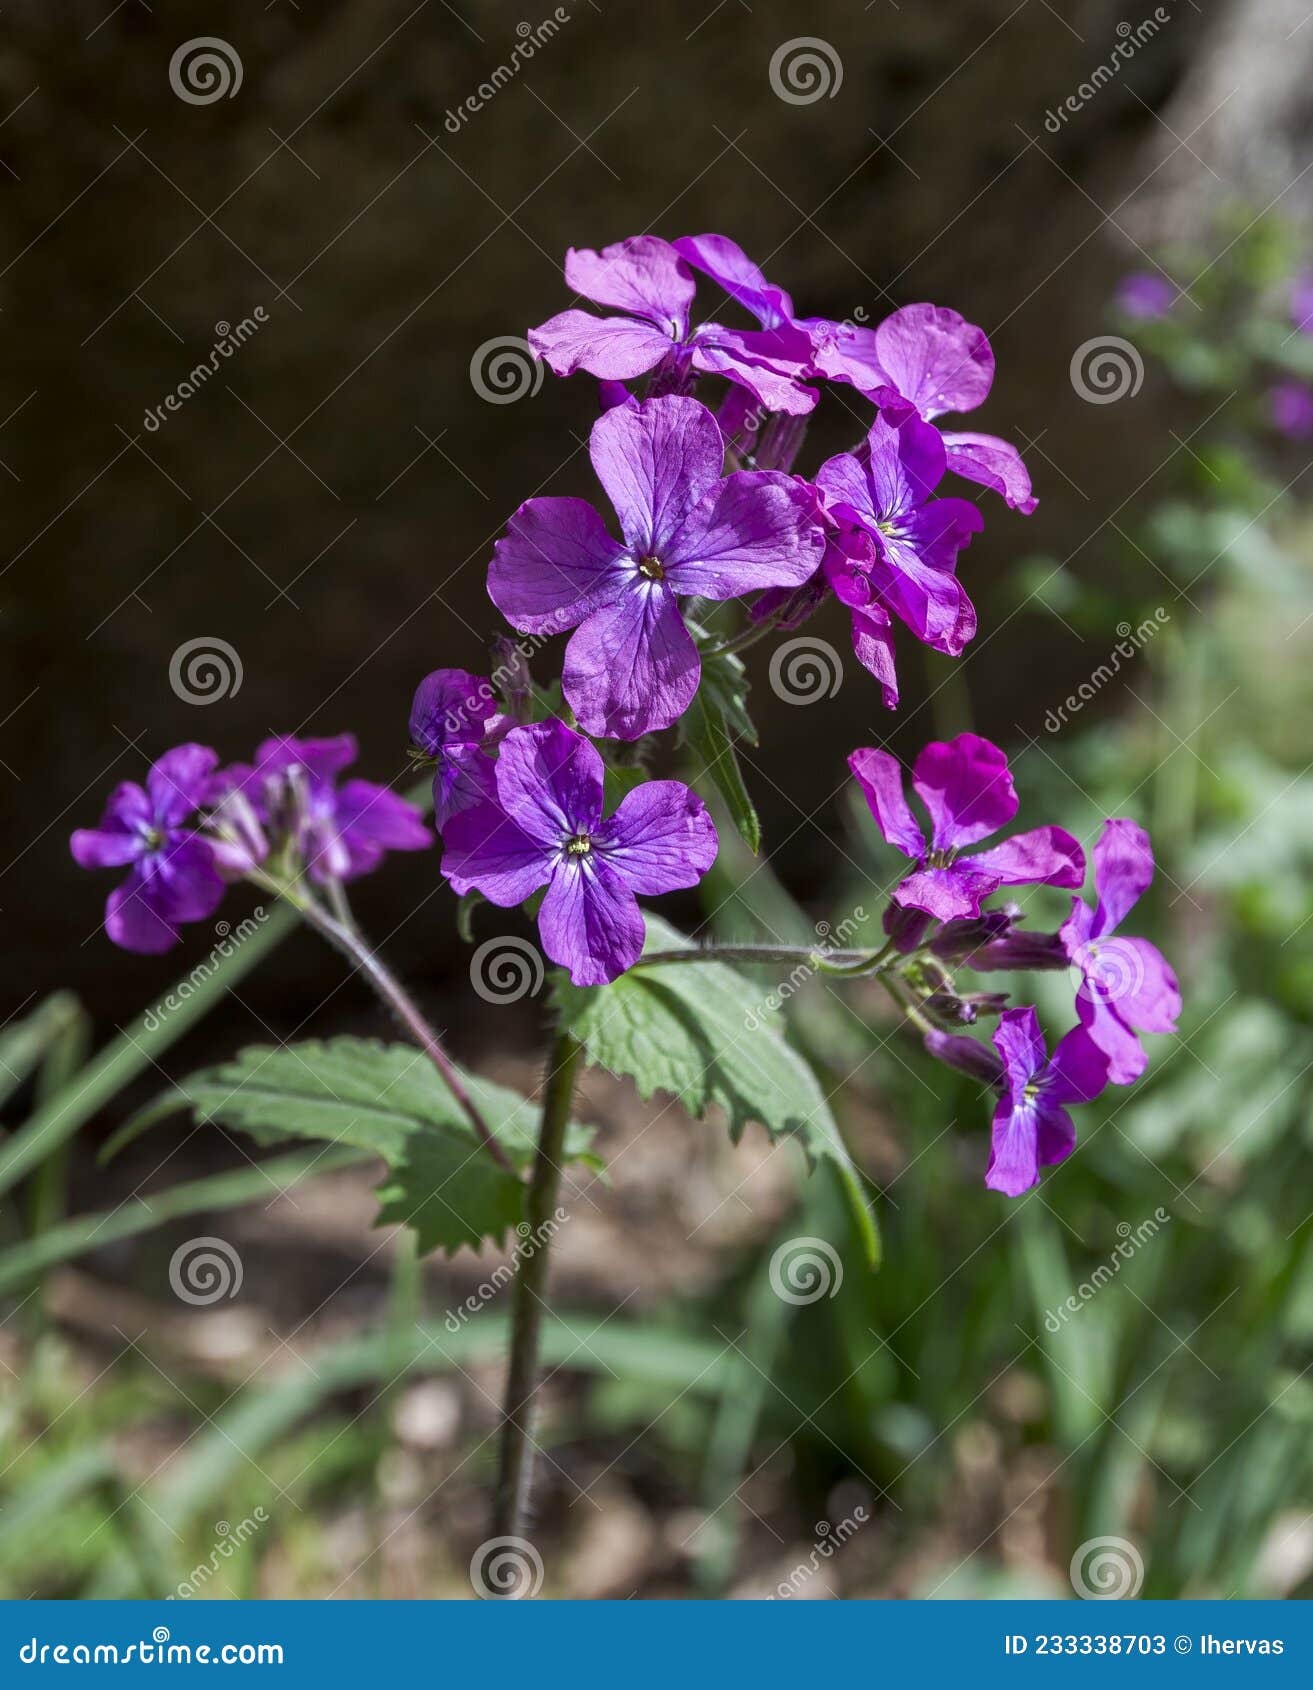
{"x":690,"y":1029}
{"x":707,"y":739}
{"x":724,"y":687}
{"x":389,"y":1100}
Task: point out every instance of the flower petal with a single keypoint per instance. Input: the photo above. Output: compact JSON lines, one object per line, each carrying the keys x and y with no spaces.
{"x":661,"y":838}
{"x":179,"y":782}
{"x":773,"y":364}
{"x":632,"y":667}
{"x":756,"y":528}
{"x":880,"y":777}
{"x":590,"y":921}
{"x":844,"y":352}
{"x":120,"y":837}
{"x":371,"y":820}
{"x":451,"y":707}
{"x":485,"y":850}
{"x":946,"y":893}
{"x":1133,"y":977}
{"x":555,"y":565}
{"x":181,"y":881}
{"x":1097,"y":1015}
{"x":549,"y":779}
{"x":906,"y":463}
{"x":644,"y":275}
{"x":965,"y":785}
{"x":1078,"y":1071}
{"x":1014,"y":1148}
{"x":730,"y":268}
{"x":914,"y":571}
{"x":1020,"y":1042}
{"x":1123,"y":869}
{"x":935,"y":358}
{"x":611,"y":348}
{"x":656,"y":460}
{"x":322,"y":759}
{"x":134,"y":920}
{"x":1044,"y":856}
{"x":873,"y":642}
{"x":992,"y":463}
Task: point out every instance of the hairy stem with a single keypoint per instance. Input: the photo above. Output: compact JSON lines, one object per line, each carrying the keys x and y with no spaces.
{"x":367,"y":962}
{"x":515,"y":1454}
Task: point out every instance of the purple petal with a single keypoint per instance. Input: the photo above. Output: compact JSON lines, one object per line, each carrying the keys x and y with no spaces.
{"x":322,"y":759}
{"x":771,"y":363}
{"x":965,"y":785}
{"x":590,"y":922}
{"x":844,"y":352}
{"x":730,"y":268}
{"x":935,"y":358}
{"x":611,"y":348}
{"x":873,"y":642}
{"x":120,"y":838}
{"x":555,"y":566}
{"x":656,"y":461}
{"x":643,"y":275}
{"x":462,"y":778}
{"x":550,"y":780}
{"x":946,"y":893}
{"x":1045,"y":856}
{"x":134,"y":920}
{"x":1123,"y":869}
{"x":905,"y":465}
{"x":371,"y":820}
{"x":880,"y":777}
{"x":179,"y":782}
{"x":182,"y":882}
{"x":1020,"y":1043}
{"x":660,"y":839}
{"x":632,"y":668}
{"x":1078,"y":1071}
{"x":756,"y":528}
{"x":486,"y":851}
{"x":451,"y":707}
{"x":914,"y":571}
{"x":1125,"y":1054}
{"x":968,"y":1056}
{"x":1133,"y":978}
{"x":992,"y":463}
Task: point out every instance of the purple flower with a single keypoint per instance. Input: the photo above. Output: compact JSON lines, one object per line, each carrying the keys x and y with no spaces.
{"x":909,"y":565}
{"x":337,"y":832}
{"x":649,"y":281}
{"x":1145,"y":295}
{"x":1032,"y":1128}
{"x":968,"y":792}
{"x":455,"y":720}
{"x":1126,"y":985}
{"x":1290,"y":407}
{"x":631,"y":666}
{"x":929,"y":359}
{"x":546,"y":829}
{"x":172,"y":875}
{"x":1301,"y":301}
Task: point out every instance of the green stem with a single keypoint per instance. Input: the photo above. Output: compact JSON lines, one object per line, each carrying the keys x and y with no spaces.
{"x":768,"y":954}
{"x":741,"y":642}
{"x":515,"y":1457}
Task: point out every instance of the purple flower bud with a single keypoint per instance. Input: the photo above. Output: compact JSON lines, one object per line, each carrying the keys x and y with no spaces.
{"x":906,"y":927}
{"x":968,"y":1056}
{"x":1019,"y":950}
{"x":956,"y":941}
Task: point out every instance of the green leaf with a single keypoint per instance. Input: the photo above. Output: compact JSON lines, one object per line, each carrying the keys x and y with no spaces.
{"x":465,"y":915}
{"x":386,"y":1099}
{"x":690,"y":1029}
{"x":717,"y":717}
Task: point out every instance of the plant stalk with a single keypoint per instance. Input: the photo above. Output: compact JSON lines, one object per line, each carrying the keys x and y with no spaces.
{"x":515,"y":1452}
{"x":768,"y":954}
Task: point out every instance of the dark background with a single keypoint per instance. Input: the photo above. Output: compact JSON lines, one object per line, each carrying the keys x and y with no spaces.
{"x":328,"y":502}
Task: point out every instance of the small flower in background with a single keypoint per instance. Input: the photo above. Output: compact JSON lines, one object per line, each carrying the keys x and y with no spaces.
{"x":910,"y":561}
{"x":456,"y":720}
{"x":1145,"y":295}
{"x":1301,"y":301}
{"x":546,"y":829}
{"x":647,"y":279}
{"x":631,"y":666}
{"x":1290,"y":406}
{"x":172,"y":875}
{"x":1126,"y":984}
{"x":335,"y":832}
{"x":1032,"y":1128}
{"x":966,"y":788}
